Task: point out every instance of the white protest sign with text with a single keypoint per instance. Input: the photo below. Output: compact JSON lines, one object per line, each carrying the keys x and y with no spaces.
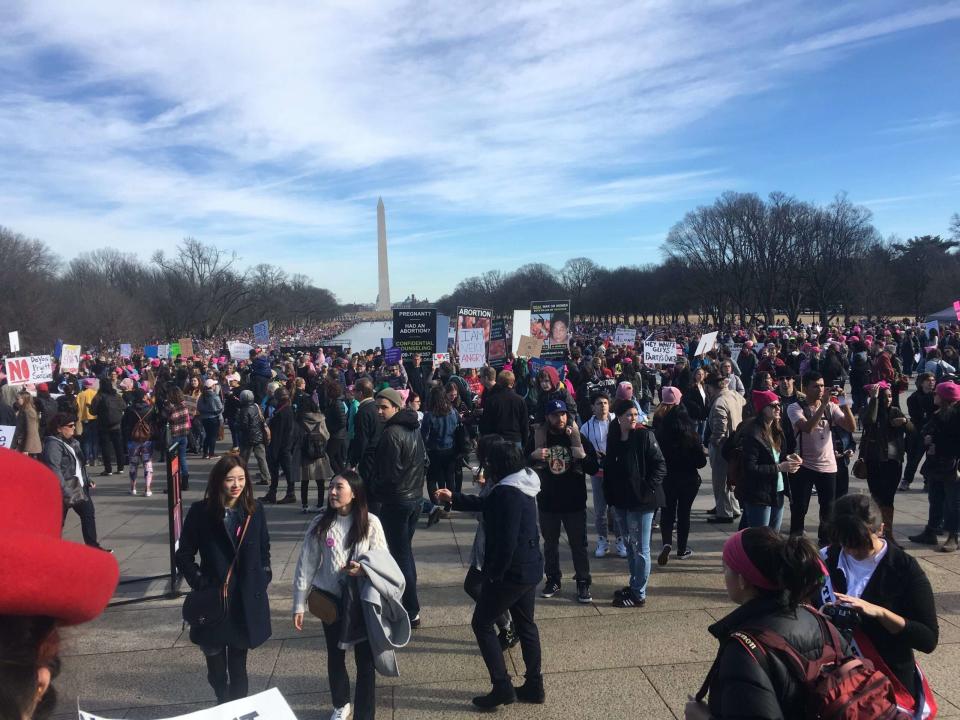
{"x":471,"y":348}
{"x":30,"y":369}
{"x":659,"y":352}
{"x":624,"y":336}
{"x":441,"y":358}
{"x":125,"y":350}
{"x":261,"y":332}
{"x":70,"y":359}
{"x":706,"y":344}
{"x":14,"y":336}
{"x":268,"y":705}
{"x":6,"y":436}
{"x":239,"y":350}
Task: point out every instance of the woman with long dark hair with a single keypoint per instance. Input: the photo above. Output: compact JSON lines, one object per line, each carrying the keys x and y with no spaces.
{"x":882,"y":448}
{"x":684,"y":455}
{"x":764,"y":485}
{"x":328,"y":556}
{"x":335,"y":416}
{"x":438,"y":427}
{"x":229,"y":528}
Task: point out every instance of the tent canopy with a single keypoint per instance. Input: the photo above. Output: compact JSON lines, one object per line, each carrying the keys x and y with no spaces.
{"x":947,"y":315}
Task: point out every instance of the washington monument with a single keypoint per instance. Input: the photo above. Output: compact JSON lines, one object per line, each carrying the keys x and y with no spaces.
{"x":383,"y":296}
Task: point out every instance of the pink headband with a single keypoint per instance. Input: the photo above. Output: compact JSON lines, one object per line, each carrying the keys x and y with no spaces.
{"x":735,"y":558}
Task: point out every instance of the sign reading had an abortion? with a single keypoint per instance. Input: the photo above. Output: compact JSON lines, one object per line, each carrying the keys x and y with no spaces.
{"x":415,"y":331}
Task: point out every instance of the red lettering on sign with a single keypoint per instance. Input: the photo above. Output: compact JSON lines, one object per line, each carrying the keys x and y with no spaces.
{"x":18,"y":370}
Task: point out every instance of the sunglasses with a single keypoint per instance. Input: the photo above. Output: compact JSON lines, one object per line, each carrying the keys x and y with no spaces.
{"x":70,"y":425}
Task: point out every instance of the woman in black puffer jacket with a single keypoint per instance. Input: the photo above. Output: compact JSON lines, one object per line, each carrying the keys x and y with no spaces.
{"x":768,"y":577}
{"x":684,"y":455}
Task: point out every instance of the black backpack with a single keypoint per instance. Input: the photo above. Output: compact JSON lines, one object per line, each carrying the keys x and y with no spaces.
{"x":314,"y":444}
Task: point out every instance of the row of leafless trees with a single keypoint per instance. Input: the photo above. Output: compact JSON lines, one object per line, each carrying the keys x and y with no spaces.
{"x":109,"y":297}
{"x":743,"y":259}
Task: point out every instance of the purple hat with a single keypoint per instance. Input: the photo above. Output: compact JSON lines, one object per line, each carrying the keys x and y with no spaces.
{"x":671,"y":396}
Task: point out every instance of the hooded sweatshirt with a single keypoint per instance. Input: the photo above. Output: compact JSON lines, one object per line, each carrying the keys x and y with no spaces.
{"x":512,"y":542}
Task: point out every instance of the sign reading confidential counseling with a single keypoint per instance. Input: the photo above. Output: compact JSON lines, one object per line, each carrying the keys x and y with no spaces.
{"x":415,"y":331}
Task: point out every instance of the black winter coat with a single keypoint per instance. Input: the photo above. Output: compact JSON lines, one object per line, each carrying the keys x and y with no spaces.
{"x":335,"y":416}
{"x":899,"y":585}
{"x":130,"y":419}
{"x":250,"y":423}
{"x":367,"y":430}
{"x":505,"y":413}
{"x":681,"y":448}
{"x":741,"y":687}
{"x":282,"y":432}
{"x":109,"y":409}
{"x":695,"y":404}
{"x":759,"y":483}
{"x":249,"y":608}
{"x":512,"y":537}
{"x":399,"y":464}
{"x":633,"y":470}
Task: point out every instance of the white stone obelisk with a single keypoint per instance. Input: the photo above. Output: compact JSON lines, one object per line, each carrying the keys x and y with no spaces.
{"x":383,"y":297}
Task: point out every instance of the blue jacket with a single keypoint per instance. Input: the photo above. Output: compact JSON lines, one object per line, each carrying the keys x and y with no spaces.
{"x":438,"y":431}
{"x":260,"y":366}
{"x":512,"y":543}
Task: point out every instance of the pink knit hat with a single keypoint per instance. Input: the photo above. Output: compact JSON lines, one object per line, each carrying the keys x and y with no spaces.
{"x":762,"y":398}
{"x":949,"y":391}
{"x":624,"y":390}
{"x":671,"y":396}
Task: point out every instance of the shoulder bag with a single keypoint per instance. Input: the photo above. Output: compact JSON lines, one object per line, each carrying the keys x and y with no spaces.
{"x":209,"y":606}
{"x":263,"y":423}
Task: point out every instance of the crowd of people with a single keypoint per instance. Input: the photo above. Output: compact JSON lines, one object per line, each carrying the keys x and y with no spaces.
{"x":387,"y":445}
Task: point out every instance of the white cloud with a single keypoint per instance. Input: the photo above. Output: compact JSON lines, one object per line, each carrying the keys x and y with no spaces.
{"x":274,"y":126}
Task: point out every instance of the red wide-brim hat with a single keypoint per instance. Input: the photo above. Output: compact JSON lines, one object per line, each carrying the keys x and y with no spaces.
{"x":42,"y":574}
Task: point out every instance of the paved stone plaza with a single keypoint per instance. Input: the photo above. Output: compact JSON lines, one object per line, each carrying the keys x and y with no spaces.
{"x":136,"y":661}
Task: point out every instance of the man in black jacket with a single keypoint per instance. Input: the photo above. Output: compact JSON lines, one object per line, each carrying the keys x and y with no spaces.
{"x":367,"y":428}
{"x":251,"y":438}
{"x":505,"y":412}
{"x":396,"y":487}
{"x":921,"y":408}
{"x":280,"y":453}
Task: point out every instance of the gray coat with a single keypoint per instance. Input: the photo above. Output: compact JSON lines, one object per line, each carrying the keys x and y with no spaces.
{"x":387,"y":623}
{"x":58,"y":458}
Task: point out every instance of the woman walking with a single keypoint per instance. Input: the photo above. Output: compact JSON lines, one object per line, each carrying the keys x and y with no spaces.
{"x":210,"y":410}
{"x":109,"y":407}
{"x":26,"y":437}
{"x":178,"y":416}
{"x":438,"y":427}
{"x":684,"y":455}
{"x":328,"y":560}
{"x":882,"y":448}
{"x":228,"y":529}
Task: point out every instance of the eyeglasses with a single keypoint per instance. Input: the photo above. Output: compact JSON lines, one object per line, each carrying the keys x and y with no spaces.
{"x":70,"y":425}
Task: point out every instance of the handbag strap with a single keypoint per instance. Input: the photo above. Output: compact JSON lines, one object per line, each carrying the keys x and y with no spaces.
{"x":236,"y":555}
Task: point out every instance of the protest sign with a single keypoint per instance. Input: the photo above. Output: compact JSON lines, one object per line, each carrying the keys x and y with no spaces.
{"x":386,"y":343}
{"x":538,"y":364}
{"x":529,"y":347}
{"x":470,"y":348}
{"x":14,"y":336}
{"x":659,"y":352}
{"x":261,"y":333}
{"x":57,"y":347}
{"x":444,"y":333}
{"x":497,"y":351}
{"x":125,"y":350}
{"x":175,"y":350}
{"x":269,"y":705}
{"x":441,"y":358}
{"x":186,"y":347}
{"x":706,"y":344}
{"x":931,"y":327}
{"x":6,"y":436}
{"x":415,"y":331}
{"x":151,"y":351}
{"x":393,"y":355}
{"x":238,"y":350}
{"x":29,"y":369}
{"x":550,"y":322}
{"x":163,"y":351}
{"x":624,"y":336}
{"x":521,"y":321}
{"x":70,"y":359}
{"x":469,"y":317}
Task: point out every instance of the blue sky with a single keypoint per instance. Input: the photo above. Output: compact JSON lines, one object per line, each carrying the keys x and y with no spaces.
{"x":497,"y":133}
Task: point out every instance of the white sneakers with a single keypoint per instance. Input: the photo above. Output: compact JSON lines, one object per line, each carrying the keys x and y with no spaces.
{"x":133,"y":491}
{"x":621,"y":548}
{"x":148,"y":493}
{"x":603,"y":547}
{"x":342,"y":713}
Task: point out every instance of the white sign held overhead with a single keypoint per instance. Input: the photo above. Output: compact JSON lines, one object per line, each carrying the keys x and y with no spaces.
{"x":624,"y":336}
{"x":239,"y":350}
{"x":70,"y":359}
{"x":707,"y":343}
{"x":14,"y":336}
{"x":268,"y":705}
{"x":658,"y":352}
{"x":28,"y":370}
{"x":471,"y":348}
{"x":6,"y":436}
{"x":125,"y":350}
{"x":521,"y":327}
{"x":441,"y":358}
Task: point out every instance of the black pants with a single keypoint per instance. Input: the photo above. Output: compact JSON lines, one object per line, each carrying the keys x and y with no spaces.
{"x":88,"y":521}
{"x":111,"y":447}
{"x":802,"y":483}
{"x":915,"y":451}
{"x":337,"y":454}
{"x":399,"y":521}
{"x":495,"y":599}
{"x":680,"y":497}
{"x":937,"y":497}
{"x":473,"y":585}
{"x":227,"y":673}
{"x":365,"y":694}
{"x":843,"y":477}
{"x":281,"y":461}
{"x":442,"y":470}
{"x":575,"y":525}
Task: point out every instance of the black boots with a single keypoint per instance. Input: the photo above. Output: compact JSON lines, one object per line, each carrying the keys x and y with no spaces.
{"x":500,"y":695}
{"x":531,"y":692}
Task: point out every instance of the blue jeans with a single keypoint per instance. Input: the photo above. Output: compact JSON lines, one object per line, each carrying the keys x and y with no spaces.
{"x":636,"y":526}
{"x":763,"y":516}
{"x":182,"y":454}
{"x":600,"y":508}
{"x":90,"y":440}
{"x":399,"y":521}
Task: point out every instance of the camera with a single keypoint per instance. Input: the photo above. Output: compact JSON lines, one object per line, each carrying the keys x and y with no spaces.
{"x":844,"y":617}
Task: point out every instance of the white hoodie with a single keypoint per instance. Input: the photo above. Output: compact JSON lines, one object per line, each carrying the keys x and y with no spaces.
{"x":526,"y":481}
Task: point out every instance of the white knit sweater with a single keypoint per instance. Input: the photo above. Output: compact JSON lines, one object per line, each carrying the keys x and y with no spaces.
{"x":323,"y":559}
